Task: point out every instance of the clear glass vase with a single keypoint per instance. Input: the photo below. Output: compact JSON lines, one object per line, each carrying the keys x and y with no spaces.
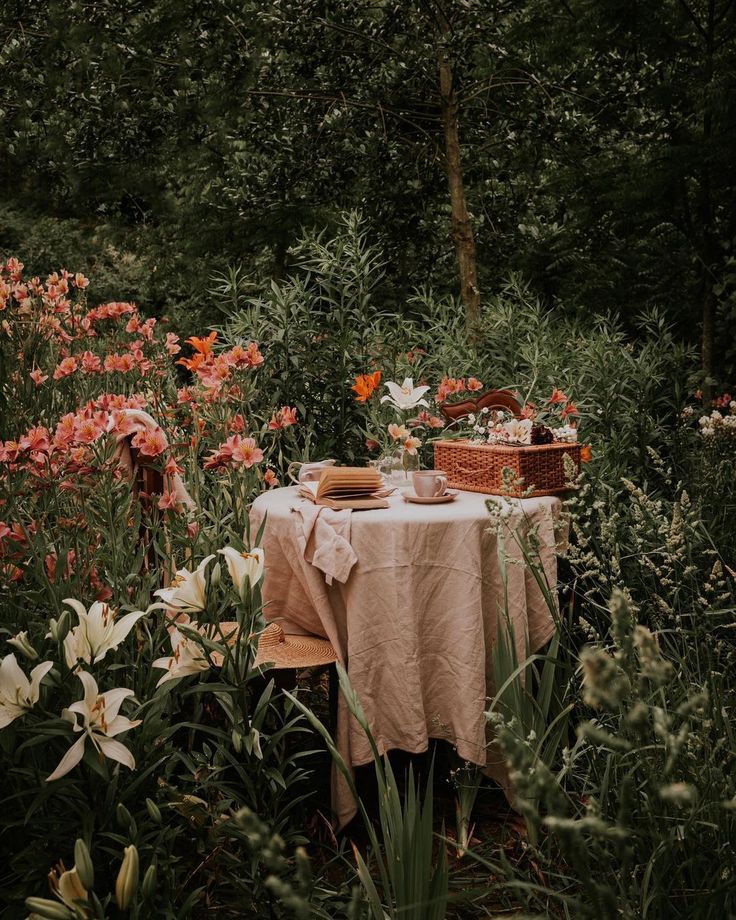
{"x":397,"y":467}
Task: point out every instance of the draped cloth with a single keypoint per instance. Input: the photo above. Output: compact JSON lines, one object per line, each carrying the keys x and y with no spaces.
{"x":415,"y":618}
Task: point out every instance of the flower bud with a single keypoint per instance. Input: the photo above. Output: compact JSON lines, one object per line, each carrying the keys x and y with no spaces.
{"x":148,"y":886}
{"x":50,"y":910}
{"x":154,"y":811}
{"x":59,"y":628}
{"x":64,"y":625}
{"x":22,"y":644}
{"x":123,"y":816}
{"x":127,"y":880}
{"x":83,"y":864}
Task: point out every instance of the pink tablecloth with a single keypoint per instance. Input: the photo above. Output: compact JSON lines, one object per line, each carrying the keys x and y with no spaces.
{"x":416,"y":617}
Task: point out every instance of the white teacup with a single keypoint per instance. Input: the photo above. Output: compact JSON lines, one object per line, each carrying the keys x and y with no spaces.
{"x":309,"y":472}
{"x":430,"y":483}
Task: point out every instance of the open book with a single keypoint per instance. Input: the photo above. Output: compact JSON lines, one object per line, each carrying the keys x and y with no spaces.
{"x":347,"y":487}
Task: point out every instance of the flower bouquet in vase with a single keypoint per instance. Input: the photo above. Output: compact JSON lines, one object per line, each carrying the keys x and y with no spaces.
{"x":394,"y":426}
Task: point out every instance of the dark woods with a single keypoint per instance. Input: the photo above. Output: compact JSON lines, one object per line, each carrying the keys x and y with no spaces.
{"x":587,"y":145}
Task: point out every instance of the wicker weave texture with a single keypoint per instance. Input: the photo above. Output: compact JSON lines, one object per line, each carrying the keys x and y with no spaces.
{"x":479,"y":467}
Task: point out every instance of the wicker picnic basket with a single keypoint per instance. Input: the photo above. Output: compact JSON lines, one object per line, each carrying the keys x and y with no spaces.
{"x":479,"y":467}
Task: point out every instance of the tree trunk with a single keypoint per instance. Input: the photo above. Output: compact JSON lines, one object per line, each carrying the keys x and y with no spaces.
{"x":708,"y":258}
{"x":462,"y":228}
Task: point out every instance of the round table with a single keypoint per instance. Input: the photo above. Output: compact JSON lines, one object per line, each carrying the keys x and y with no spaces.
{"x":410,"y":596}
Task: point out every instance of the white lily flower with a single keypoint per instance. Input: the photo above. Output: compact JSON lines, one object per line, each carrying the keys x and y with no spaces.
{"x":68,"y":888}
{"x":99,"y":631}
{"x":187,"y":591}
{"x":518,"y":431}
{"x":241,"y":566}
{"x":188,"y":657}
{"x":100,"y":723}
{"x":405,"y":395}
{"x":17,"y":693}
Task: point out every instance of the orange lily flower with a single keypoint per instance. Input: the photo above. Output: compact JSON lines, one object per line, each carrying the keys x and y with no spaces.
{"x":203,"y":346}
{"x":586,"y":453}
{"x":365,"y":384}
{"x":191,"y":364}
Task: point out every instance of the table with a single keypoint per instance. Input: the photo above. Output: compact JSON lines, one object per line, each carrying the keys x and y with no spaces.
{"x":416,"y":615}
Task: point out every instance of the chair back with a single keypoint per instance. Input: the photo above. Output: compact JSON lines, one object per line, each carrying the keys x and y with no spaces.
{"x":491,"y":399}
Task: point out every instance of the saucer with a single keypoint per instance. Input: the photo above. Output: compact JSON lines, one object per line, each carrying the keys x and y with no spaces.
{"x":449,"y":496}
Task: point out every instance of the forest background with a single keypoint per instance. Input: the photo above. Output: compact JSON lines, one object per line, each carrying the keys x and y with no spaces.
{"x":585,"y":145}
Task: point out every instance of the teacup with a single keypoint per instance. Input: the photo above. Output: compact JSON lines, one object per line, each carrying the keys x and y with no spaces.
{"x":430,"y":483}
{"x":309,"y":472}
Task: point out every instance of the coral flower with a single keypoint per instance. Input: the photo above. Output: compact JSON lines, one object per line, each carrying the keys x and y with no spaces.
{"x":91,"y":364}
{"x":283,"y":418}
{"x":570,"y":409}
{"x":557,"y":397}
{"x":474,"y":384}
{"x":38,"y":377}
{"x":397,"y":432}
{"x":168,"y":501}
{"x":270,"y":478}
{"x":150,"y":442}
{"x":365,"y":384}
{"x":586,"y":453}
{"x":411,"y":445}
{"x":247,"y":453}
{"x":35,"y":439}
{"x":172,"y":345}
{"x":65,"y":368}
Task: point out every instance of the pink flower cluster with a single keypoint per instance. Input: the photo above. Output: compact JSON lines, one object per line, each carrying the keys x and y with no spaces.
{"x":67,"y":449}
{"x":214,"y":371}
{"x":236,"y":451}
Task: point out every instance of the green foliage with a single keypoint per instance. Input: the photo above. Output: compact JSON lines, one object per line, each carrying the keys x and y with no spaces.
{"x":207,"y":134}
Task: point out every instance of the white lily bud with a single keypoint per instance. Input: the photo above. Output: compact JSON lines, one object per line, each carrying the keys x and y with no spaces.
{"x":23,"y":645}
{"x":50,"y":910}
{"x":83,"y":864}
{"x":148,"y":885}
{"x":127,"y":880}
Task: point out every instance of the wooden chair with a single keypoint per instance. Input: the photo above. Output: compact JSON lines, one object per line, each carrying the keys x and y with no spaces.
{"x":491,"y":399}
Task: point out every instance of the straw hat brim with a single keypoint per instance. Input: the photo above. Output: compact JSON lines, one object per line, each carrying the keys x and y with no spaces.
{"x":277,"y":649}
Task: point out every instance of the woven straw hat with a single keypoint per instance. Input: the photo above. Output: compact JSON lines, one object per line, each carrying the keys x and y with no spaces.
{"x":280,"y":650}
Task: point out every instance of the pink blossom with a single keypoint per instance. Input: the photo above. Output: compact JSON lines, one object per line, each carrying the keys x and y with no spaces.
{"x":87,"y":430}
{"x":122,"y":424}
{"x":121,"y":363}
{"x":270,"y":478}
{"x":91,"y":364}
{"x":80,"y":281}
{"x":172,"y":468}
{"x":150,"y":442}
{"x":283,"y":418}
{"x":65,"y":368}
{"x":474,"y":384}
{"x":36,"y":439}
{"x":38,"y":376}
{"x":247,"y":453}
{"x":171,"y":343}
{"x":168,"y":501}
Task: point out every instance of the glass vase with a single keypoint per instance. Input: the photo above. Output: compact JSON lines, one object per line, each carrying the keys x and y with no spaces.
{"x":397,"y":467}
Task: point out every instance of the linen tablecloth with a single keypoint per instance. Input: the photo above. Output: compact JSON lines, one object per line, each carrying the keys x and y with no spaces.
{"x":415,"y":619}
